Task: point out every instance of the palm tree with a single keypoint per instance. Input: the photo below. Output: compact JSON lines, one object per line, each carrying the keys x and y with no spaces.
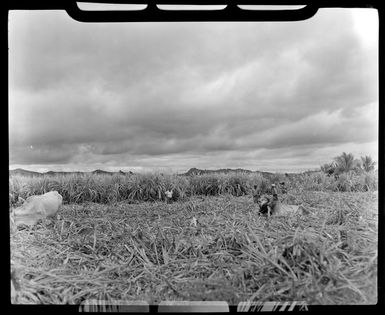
{"x":357,"y":165}
{"x":345,"y":163}
{"x":367,"y":163}
{"x":328,"y":168}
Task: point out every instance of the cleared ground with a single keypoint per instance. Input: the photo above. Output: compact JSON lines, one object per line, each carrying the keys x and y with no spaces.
{"x":153,"y":251}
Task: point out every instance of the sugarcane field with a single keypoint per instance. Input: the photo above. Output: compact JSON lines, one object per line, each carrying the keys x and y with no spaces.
{"x":121,"y":237}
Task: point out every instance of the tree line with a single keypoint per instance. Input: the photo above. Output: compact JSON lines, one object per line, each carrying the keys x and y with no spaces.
{"x":346,"y":163}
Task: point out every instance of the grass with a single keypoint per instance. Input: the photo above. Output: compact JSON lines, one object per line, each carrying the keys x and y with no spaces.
{"x":106,"y":189}
{"x":152,"y":251}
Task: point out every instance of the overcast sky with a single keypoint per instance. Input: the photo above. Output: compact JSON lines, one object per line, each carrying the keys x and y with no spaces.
{"x":171,"y":96}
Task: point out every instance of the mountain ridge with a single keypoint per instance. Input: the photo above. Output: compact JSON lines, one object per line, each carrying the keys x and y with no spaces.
{"x":197,"y":171}
{"x":23,"y":172}
{"x":192,"y":171}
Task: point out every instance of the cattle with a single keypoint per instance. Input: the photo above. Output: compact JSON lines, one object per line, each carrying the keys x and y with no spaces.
{"x":274,"y":204}
{"x":36,"y":208}
{"x":268,"y":205}
{"x":260,"y":199}
{"x":263,"y":203}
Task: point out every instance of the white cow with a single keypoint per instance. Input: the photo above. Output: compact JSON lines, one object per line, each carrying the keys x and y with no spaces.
{"x":36,"y":208}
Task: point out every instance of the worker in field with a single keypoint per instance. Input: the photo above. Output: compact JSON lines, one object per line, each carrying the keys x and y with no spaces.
{"x":168,"y":194}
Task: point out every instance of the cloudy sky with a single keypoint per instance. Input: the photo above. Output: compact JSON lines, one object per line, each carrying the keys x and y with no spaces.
{"x":170,"y":96}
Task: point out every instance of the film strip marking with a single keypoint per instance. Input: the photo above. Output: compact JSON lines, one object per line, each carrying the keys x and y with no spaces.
{"x":188,"y":306}
{"x":272,"y":306}
{"x":116,"y":306}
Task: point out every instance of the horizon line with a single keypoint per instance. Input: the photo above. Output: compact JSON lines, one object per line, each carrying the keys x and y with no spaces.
{"x":159,"y":171}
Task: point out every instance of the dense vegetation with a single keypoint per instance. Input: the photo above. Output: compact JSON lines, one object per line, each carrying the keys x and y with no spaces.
{"x":346,"y":163}
{"x":153,"y":251}
{"x":151,"y":187}
{"x":115,"y":239}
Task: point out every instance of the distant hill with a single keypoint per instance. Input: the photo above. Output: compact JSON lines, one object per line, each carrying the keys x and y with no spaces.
{"x":51,"y":173}
{"x":190,"y":172}
{"x":101,"y":172}
{"x":196,"y":171}
{"x":22,"y":172}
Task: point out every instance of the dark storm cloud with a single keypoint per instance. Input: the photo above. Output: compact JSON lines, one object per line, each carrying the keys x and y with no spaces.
{"x":149,"y":92}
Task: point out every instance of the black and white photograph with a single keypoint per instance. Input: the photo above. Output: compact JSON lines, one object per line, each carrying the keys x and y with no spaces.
{"x":209,"y":163}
